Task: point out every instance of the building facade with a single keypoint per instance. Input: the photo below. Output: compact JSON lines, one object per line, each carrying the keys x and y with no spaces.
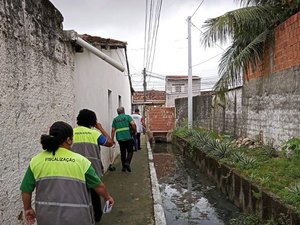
{"x":177,"y":87}
{"x":101,"y":87}
{"x":43,"y":80}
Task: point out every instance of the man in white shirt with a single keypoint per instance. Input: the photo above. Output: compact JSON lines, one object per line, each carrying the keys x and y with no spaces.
{"x":140,"y":126}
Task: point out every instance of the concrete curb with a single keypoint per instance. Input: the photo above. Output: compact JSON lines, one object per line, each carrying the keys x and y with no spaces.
{"x":159,"y":214}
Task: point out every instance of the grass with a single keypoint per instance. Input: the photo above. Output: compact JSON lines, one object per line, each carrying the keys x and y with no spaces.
{"x":275,"y":170}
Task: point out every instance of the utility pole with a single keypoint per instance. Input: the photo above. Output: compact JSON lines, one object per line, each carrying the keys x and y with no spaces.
{"x":190,"y":76}
{"x":145,"y":89}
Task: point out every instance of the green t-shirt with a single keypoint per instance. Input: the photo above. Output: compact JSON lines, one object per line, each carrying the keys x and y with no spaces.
{"x":123,"y":128}
{"x":28,"y":183}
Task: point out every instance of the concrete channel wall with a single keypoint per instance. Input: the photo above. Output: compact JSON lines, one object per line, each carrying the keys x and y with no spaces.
{"x":247,"y":196}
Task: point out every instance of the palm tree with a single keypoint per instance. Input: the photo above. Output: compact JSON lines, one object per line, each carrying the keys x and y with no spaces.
{"x":248,"y":28}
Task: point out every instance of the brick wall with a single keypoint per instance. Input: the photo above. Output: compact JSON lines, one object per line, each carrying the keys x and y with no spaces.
{"x":284,"y":53}
{"x":160,"y":119}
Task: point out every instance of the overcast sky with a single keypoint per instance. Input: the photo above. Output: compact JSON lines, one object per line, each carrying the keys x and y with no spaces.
{"x":124,"y":20}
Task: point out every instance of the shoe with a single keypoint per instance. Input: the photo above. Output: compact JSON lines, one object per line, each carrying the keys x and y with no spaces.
{"x":123,"y":169}
{"x":111,"y":168}
{"x":128,"y":168}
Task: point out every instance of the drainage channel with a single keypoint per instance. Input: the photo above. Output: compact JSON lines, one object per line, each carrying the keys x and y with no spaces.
{"x":188,"y":197}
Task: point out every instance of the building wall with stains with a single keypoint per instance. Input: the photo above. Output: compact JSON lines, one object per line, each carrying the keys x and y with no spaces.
{"x":43,"y":80}
{"x":36,"y":68}
{"x":271,"y":93}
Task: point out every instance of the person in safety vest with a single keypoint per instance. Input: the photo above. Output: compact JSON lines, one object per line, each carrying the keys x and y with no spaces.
{"x":124,"y":128}
{"x":140,"y":127}
{"x":62,"y":180}
{"x":87,"y":141}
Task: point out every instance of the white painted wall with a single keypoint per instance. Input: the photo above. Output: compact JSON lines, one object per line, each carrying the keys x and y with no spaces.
{"x":93,"y":79}
{"x":171,"y":93}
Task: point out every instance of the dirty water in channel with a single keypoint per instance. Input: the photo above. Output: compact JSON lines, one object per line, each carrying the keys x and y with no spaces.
{"x":189,"y":198}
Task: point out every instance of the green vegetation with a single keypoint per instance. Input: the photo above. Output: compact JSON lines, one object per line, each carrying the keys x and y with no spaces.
{"x":246,"y":219}
{"x":246,"y":49}
{"x":275,"y":170}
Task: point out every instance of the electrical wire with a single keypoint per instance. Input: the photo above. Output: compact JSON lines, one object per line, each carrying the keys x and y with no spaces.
{"x":203,"y":33}
{"x":153,"y":12}
{"x":145,"y":36}
{"x":207,"y":60}
{"x":197,"y":9}
{"x":156,"y":31}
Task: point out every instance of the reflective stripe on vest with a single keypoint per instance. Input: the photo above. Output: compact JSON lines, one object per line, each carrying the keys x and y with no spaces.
{"x":62,"y":204}
{"x":61,"y":192}
{"x":122,"y":129}
{"x":85,"y":134}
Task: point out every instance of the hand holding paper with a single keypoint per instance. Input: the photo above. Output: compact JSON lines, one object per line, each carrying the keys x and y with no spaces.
{"x":107,"y":207}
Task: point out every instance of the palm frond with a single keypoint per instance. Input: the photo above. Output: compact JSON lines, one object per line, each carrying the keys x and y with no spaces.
{"x":281,"y":3}
{"x":248,"y":29}
{"x":237,"y":23}
{"x":237,"y":60}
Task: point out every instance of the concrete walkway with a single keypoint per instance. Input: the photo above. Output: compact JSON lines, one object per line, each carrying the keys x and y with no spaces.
{"x":137,"y":201}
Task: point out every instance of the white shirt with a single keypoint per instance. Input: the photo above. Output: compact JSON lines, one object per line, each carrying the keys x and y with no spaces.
{"x":138,"y":122}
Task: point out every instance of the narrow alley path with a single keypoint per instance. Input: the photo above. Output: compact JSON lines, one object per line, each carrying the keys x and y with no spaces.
{"x":132,"y":193}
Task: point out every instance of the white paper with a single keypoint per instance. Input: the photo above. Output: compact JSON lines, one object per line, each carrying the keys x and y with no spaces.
{"x":107,"y":208}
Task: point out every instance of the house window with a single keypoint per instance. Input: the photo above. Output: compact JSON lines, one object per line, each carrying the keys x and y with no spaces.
{"x":178,"y":88}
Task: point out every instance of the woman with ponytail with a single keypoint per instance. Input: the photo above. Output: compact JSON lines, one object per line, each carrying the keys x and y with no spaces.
{"x":62,"y":180}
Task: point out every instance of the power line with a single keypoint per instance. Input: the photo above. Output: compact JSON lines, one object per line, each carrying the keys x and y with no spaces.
{"x":203,"y":33}
{"x":151,"y":50}
{"x":153,"y":45}
{"x":153,"y":12}
{"x":207,"y":60}
{"x":197,"y":8}
{"x":145,"y":36}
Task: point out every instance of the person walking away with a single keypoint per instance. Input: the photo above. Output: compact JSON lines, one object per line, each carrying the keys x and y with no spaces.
{"x":140,"y":127}
{"x":62,"y":180}
{"x":87,"y":142}
{"x":124,"y":128}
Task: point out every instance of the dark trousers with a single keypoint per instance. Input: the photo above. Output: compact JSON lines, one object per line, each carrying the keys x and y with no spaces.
{"x":96,"y":201}
{"x":137,"y":141}
{"x":126,"y":149}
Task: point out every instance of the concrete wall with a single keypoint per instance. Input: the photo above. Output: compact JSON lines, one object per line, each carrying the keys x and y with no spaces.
{"x":229,"y":118}
{"x":272,"y":92}
{"x":94,"y":80}
{"x":36,"y":82}
{"x":272,"y":106}
{"x":267,"y":106}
